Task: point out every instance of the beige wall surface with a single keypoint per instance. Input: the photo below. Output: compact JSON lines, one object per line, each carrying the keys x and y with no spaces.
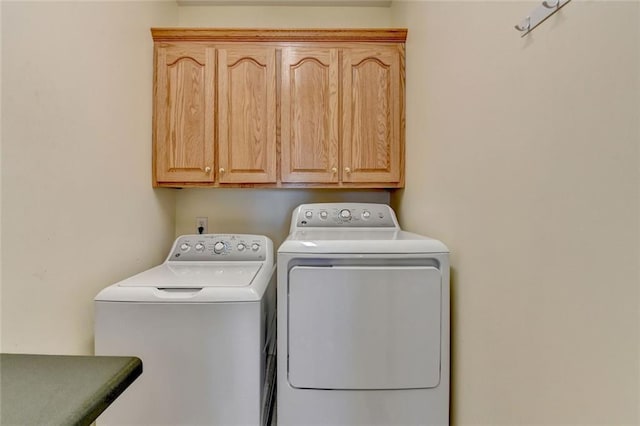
{"x":1,"y":349}
{"x":284,"y":16}
{"x":267,"y":211}
{"x":78,"y":210}
{"x":523,"y":156}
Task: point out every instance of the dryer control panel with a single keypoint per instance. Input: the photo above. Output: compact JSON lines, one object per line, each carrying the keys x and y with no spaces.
{"x":221,"y":247}
{"x":343,"y":215}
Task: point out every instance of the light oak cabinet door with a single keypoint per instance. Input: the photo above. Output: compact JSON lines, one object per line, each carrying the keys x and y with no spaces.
{"x":184,"y":113}
{"x":247,"y":114}
{"x":310,"y":115}
{"x":372,"y":88}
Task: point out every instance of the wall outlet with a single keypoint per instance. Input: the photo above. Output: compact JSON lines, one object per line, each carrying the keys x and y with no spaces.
{"x":202,"y":225}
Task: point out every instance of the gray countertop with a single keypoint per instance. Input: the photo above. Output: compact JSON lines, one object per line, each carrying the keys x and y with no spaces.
{"x":61,"y":389}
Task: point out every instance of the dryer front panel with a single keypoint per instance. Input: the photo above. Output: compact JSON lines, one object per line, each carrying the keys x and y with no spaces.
{"x":364,"y":327}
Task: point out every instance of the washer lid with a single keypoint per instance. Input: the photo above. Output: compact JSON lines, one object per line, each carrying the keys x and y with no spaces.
{"x":195,"y":275}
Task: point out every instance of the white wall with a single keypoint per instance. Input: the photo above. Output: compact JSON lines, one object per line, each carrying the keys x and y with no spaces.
{"x":523,"y":156}
{"x":78,"y":210}
{"x":1,"y":348}
{"x":284,"y":16}
{"x":267,"y":211}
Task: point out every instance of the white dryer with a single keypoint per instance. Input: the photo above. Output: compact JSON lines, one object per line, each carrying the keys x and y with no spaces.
{"x":363,"y":320}
{"x":202,"y":323}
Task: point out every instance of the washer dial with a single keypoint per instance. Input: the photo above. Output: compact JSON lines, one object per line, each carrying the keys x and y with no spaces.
{"x":218,"y":247}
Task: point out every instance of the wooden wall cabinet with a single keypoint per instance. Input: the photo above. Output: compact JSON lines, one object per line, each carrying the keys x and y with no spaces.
{"x":279,"y":108}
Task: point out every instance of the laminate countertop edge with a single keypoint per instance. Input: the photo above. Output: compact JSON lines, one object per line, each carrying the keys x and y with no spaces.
{"x":61,"y":389}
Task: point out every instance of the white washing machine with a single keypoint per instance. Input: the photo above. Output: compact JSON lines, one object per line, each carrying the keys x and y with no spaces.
{"x":203,"y":323}
{"x":363,"y":320}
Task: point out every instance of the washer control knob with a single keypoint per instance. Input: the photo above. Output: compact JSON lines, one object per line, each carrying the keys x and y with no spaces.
{"x":366,"y":214}
{"x":324,"y":215}
{"x":241,"y":247}
{"x":345,"y":214}
{"x":185,"y":247}
{"x":255,"y":246}
{"x":199,"y":247}
{"x":308,"y":214}
{"x":218,"y":247}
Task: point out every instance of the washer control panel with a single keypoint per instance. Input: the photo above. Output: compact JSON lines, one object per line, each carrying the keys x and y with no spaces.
{"x":344,"y":215}
{"x":220,"y":247}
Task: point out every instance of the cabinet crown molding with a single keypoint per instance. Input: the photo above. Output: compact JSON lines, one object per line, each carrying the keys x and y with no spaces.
{"x":380,"y":35}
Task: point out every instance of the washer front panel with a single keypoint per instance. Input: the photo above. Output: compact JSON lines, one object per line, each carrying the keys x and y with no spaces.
{"x":203,"y":362}
{"x":364,"y":327}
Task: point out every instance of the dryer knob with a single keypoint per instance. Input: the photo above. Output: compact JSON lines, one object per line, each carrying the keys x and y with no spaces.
{"x":255,"y":246}
{"x":345,"y":214}
{"x":185,"y":247}
{"x":218,"y":247}
{"x":241,"y":247}
{"x":199,"y":247}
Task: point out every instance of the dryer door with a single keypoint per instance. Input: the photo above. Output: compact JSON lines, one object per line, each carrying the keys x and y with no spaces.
{"x":364,"y":327}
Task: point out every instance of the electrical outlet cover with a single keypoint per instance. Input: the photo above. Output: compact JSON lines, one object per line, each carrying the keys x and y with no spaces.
{"x":202,"y":222}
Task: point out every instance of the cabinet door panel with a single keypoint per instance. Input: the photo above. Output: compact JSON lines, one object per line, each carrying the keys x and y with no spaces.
{"x":372,"y":114}
{"x":184,"y":112}
{"x":247,"y":114}
{"x":310,"y":123}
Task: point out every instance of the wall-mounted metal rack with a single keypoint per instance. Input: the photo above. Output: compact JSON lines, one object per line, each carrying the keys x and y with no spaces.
{"x":539,"y":15}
